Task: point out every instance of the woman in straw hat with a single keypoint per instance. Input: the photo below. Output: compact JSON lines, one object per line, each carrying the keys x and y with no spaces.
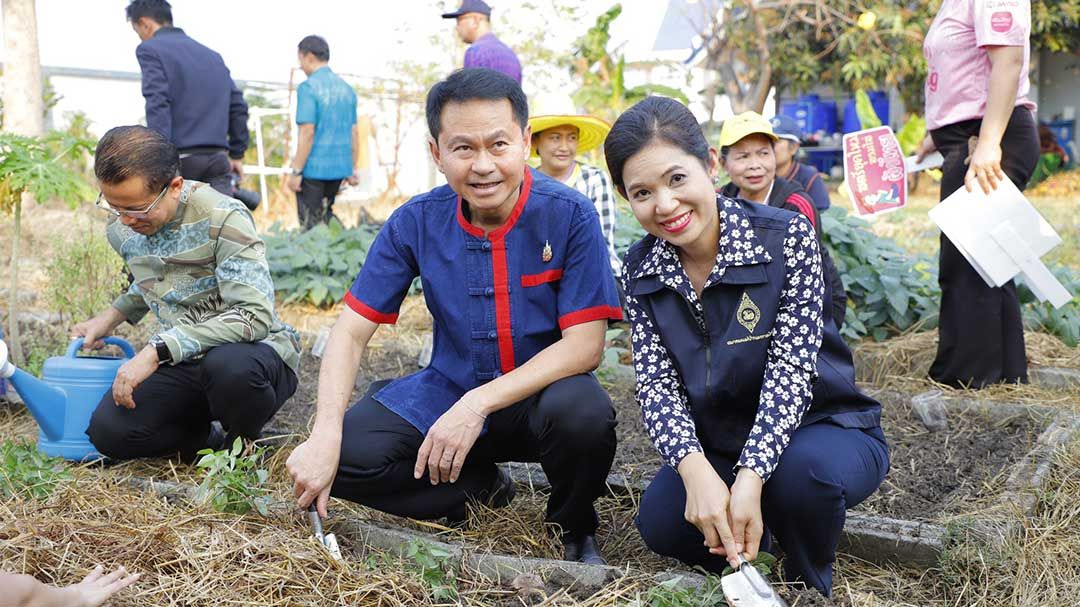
{"x":559,"y":134}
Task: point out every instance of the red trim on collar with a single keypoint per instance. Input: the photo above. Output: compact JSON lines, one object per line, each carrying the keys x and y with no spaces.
{"x":590,"y":314}
{"x":368,"y":312}
{"x":519,"y":206}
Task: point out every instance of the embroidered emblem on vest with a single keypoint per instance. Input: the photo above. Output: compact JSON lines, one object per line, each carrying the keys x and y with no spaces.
{"x":748,"y":313}
{"x":546,"y":255}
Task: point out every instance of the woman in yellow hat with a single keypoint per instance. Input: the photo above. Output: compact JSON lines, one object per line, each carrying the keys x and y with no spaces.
{"x":559,"y":134}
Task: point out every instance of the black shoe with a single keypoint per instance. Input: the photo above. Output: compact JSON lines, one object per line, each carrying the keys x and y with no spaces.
{"x":214,"y":440}
{"x":499,"y":495}
{"x":582,"y":549}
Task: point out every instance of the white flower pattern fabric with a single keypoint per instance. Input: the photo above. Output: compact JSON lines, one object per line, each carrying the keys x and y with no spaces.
{"x":791,"y":364}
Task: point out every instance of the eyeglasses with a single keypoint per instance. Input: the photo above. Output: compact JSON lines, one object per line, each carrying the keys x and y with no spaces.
{"x":104,"y":205}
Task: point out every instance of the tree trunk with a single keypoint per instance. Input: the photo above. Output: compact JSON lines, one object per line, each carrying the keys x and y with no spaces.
{"x":24,"y":110}
{"x":13,"y":291}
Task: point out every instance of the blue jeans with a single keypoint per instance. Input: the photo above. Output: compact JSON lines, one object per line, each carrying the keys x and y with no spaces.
{"x":825,"y":470}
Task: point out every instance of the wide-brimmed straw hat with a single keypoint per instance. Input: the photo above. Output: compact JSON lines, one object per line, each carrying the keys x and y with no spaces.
{"x":550,"y":110}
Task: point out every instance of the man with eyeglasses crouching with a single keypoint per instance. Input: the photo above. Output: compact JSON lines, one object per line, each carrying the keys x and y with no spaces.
{"x":219,"y":353}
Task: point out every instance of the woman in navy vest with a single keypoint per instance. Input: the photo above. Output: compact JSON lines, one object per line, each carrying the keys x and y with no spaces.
{"x":748,"y":396}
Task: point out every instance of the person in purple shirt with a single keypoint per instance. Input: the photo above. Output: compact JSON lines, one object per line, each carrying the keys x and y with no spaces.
{"x":485,"y":50}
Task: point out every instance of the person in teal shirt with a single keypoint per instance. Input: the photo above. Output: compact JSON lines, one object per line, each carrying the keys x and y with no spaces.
{"x":328,"y":147}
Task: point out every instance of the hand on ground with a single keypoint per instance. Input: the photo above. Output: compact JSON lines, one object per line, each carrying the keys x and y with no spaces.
{"x":313,"y":466}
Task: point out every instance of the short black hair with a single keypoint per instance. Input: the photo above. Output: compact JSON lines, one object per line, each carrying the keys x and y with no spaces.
{"x":159,"y":11}
{"x":136,"y":151}
{"x":475,"y":83}
{"x":316,"y":45}
{"x":653,"y":118}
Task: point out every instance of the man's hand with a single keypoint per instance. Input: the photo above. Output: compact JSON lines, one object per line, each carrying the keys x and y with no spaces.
{"x":92,"y":331}
{"x":313,"y":466}
{"x":292,"y":183}
{"x":353,"y":179}
{"x":131,"y":374}
{"x":237,"y":166}
{"x":985,"y":167}
{"x":96,"y":588}
{"x":707,"y":499}
{"x":745,"y":512}
{"x":449,"y":440}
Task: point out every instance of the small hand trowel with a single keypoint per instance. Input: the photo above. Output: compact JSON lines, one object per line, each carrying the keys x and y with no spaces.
{"x":746,"y":587}
{"x":329,"y":541}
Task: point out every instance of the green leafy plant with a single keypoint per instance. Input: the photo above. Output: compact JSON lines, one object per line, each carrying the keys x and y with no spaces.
{"x":25,"y":472}
{"x":764,"y":562}
{"x":85,"y":260}
{"x":233,"y":481}
{"x":669,"y":594}
{"x":434,"y":566}
{"x":319,"y":265}
{"x":1063,"y":322}
{"x":36,"y":166}
{"x":889,"y":290}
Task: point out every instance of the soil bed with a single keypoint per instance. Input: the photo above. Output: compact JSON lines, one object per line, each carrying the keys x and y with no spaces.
{"x":932,"y":473}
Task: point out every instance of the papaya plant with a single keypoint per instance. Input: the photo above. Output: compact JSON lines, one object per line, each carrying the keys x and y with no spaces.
{"x":36,"y":168}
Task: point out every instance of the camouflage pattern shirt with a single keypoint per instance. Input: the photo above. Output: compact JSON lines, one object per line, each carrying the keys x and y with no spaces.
{"x":204,"y":276}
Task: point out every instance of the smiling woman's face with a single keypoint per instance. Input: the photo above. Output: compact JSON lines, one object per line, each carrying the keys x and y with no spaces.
{"x":671,"y":192}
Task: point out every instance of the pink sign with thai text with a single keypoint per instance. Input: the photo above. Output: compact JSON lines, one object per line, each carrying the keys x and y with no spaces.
{"x":874,"y":171}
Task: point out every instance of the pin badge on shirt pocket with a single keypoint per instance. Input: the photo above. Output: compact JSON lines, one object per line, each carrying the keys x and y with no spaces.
{"x":748,"y":314}
{"x":546,"y":254}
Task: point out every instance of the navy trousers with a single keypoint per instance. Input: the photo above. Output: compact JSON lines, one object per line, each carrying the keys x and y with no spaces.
{"x":825,"y":470}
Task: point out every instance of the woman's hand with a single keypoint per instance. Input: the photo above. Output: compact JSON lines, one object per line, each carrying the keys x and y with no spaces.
{"x":925,"y":148}
{"x":985,"y":167}
{"x":707,"y":500}
{"x":745,"y":508}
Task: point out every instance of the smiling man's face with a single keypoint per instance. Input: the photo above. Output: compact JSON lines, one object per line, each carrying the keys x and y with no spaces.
{"x":481,"y":150}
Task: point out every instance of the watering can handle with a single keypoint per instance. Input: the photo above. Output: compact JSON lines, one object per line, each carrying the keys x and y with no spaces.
{"x":119,"y":342}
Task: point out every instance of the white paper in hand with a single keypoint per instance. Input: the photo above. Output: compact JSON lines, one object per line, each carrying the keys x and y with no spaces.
{"x":1001,"y":235}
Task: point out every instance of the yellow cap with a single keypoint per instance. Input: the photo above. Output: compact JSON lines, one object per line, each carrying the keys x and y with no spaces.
{"x":550,"y":110}
{"x":746,"y":123}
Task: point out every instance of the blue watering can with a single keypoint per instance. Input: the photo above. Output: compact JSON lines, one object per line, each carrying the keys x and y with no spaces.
{"x":65,"y":397}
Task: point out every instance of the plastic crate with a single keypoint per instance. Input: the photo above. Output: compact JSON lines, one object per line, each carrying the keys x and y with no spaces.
{"x":880,"y":102}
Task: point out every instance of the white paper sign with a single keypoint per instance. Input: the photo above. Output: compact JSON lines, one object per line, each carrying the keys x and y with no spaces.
{"x":1001,"y":235}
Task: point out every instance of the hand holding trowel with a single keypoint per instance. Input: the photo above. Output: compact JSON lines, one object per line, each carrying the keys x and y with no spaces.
{"x":746,"y":587}
{"x":328,"y":540}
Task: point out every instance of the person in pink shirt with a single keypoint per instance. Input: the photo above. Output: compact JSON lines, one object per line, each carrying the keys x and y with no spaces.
{"x":982,"y":122}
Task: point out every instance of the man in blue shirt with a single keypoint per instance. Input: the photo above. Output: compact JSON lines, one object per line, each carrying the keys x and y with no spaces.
{"x":787,"y":146}
{"x":191,"y":98}
{"x":485,"y":50}
{"x":328,"y":147}
{"x":515,"y":274}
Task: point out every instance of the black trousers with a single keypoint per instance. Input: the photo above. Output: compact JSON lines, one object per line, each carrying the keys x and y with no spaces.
{"x":315,"y":201}
{"x":981,"y":331}
{"x":212,"y":168}
{"x":240,"y":385}
{"x":569,"y":427}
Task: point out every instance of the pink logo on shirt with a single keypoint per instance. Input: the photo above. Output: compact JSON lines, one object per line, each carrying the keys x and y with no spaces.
{"x":1001,"y":21}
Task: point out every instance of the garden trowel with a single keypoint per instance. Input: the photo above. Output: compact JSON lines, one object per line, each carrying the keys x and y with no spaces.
{"x":746,"y":587}
{"x":328,"y":540}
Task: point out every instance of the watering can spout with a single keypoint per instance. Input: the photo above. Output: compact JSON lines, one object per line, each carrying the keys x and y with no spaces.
{"x":47,"y":404}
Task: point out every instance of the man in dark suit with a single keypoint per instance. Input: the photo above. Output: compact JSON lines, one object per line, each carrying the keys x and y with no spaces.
{"x":190,"y":97}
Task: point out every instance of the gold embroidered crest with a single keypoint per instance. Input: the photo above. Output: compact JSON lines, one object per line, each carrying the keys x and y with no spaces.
{"x":546,"y":254}
{"x":748,"y":313}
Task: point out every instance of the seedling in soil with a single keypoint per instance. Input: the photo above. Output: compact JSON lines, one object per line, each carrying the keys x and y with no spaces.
{"x":670,"y":594}
{"x":434,"y":567}
{"x":765,"y":563}
{"x":26,"y":472}
{"x":233,"y":482}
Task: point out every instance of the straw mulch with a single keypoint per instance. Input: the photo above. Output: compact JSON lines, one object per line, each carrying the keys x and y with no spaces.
{"x":902,"y":363}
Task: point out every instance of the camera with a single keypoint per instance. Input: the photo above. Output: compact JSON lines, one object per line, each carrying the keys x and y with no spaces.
{"x":251,"y":199}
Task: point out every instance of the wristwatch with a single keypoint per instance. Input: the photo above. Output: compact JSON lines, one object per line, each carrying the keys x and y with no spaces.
{"x":297,"y":172}
{"x":163,"y":353}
